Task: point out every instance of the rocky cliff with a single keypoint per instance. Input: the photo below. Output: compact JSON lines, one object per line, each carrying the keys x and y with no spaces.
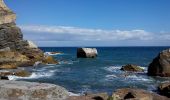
{"x":11,"y":40}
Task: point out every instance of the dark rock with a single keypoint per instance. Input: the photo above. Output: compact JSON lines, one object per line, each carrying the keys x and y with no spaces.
{"x":160,"y":66}
{"x":4,"y":78}
{"x":164,"y":89}
{"x":136,"y":94}
{"x":131,"y":67}
{"x":98,"y":96}
{"x":87,"y":52}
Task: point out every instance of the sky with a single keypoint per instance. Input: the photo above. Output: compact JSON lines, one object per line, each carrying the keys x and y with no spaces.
{"x":94,"y":22}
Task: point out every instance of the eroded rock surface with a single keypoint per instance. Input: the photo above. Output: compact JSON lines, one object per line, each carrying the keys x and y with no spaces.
{"x":133,"y":68}
{"x":20,"y":90}
{"x":160,"y":66}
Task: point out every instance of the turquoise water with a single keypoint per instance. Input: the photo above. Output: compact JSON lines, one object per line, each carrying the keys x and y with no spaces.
{"x":101,"y":74}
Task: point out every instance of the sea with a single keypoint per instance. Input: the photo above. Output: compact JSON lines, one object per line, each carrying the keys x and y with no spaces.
{"x":101,"y":74}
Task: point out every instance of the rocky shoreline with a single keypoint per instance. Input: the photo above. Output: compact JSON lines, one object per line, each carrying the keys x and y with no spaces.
{"x":16,"y":52}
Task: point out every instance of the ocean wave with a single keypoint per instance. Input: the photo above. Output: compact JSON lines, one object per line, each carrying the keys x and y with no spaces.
{"x":73,"y":94}
{"x":137,"y":78}
{"x":112,"y":68}
{"x":34,"y":75}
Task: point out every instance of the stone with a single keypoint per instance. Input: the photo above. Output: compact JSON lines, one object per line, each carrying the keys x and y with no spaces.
{"x":6,"y":15}
{"x":98,"y":96}
{"x":164,"y":89}
{"x":87,"y":53}
{"x":131,"y":67}
{"x":20,"y":90}
{"x":49,"y":60}
{"x":136,"y":94}
{"x":160,"y":65}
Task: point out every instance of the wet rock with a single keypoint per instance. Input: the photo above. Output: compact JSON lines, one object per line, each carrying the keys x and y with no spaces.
{"x":131,"y":67}
{"x":98,"y":96}
{"x":4,"y":78}
{"x":20,"y":90}
{"x":17,"y":72}
{"x":136,"y":94}
{"x":87,"y":52}
{"x":164,"y":89}
{"x":160,"y":66}
{"x":49,"y":60}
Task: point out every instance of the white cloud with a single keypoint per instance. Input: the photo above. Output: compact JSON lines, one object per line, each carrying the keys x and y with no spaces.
{"x":64,"y":33}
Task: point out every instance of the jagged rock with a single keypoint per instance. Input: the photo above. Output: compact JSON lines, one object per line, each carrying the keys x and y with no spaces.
{"x":87,"y":52}
{"x":49,"y":60}
{"x":20,"y":90}
{"x":136,"y":94}
{"x":131,"y":67}
{"x":164,"y":89}
{"x":160,"y":66}
{"x":6,"y":15}
{"x":10,"y":60}
{"x":98,"y":96}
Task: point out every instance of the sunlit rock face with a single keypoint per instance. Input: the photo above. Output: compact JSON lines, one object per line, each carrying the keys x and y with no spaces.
{"x":6,"y":15}
{"x":11,"y":39}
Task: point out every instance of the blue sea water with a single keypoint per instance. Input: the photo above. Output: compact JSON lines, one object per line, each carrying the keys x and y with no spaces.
{"x":102,"y":74}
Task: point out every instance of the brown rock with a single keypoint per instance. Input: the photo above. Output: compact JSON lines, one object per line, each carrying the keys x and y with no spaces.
{"x":98,"y":96}
{"x":8,"y":66}
{"x":160,"y":66}
{"x":20,"y":73}
{"x":164,"y":89}
{"x":136,"y":94}
{"x":49,"y":60}
{"x":131,"y":67}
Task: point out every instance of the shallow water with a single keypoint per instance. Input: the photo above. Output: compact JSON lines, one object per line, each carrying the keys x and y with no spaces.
{"x":98,"y":75}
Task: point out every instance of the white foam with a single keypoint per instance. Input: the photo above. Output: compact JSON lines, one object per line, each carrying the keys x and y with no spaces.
{"x":34,"y":75}
{"x":112,"y":68}
{"x":73,"y":94}
{"x":137,"y":78}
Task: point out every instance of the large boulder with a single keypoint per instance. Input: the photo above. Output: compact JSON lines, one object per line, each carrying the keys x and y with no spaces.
{"x":160,"y":66}
{"x":164,"y":89}
{"x":136,"y":94}
{"x":20,"y":90}
{"x":131,"y":67}
{"x":87,"y":52}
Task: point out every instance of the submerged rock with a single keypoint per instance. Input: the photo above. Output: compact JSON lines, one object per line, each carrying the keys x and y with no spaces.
{"x":49,"y":60}
{"x":20,"y":90}
{"x":87,"y":52}
{"x":160,"y":66}
{"x":131,"y":67}
{"x":136,"y":94}
{"x":164,"y":89}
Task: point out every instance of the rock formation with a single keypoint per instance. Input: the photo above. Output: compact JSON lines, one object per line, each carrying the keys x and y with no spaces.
{"x":19,"y":90}
{"x":11,"y":40}
{"x":87,"y":52}
{"x":131,"y":67}
{"x":160,"y":66}
{"x":135,"y":94}
{"x":164,"y":89}
{"x":6,"y":15}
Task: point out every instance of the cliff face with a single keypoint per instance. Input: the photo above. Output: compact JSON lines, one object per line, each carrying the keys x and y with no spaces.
{"x":6,"y":15}
{"x":11,"y":40}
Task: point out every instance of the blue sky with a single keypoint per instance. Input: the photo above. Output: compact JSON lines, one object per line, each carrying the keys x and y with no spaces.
{"x":94,"y":22}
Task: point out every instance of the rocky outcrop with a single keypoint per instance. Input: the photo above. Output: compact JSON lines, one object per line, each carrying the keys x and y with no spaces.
{"x":160,"y":66}
{"x":164,"y":89}
{"x":133,"y":68}
{"x":11,"y":40}
{"x":135,"y":94}
{"x":20,"y":90}
{"x":6,"y":15}
{"x":87,"y":52}
{"x":98,"y":96}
